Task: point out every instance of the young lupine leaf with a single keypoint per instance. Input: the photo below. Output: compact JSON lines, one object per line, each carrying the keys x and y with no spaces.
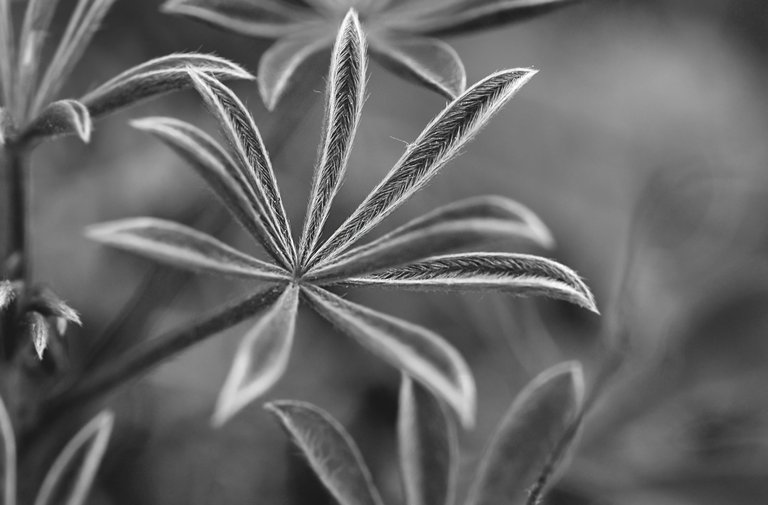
{"x":7,"y":52}
{"x":218,"y":169}
{"x":60,"y":118}
{"x":7,"y":293}
{"x":266,"y":18}
{"x":241,"y":133}
{"x":530,"y":434}
{"x":37,"y":20}
{"x":330,"y":451}
{"x":9,"y":452}
{"x":519,"y":274}
{"x":82,"y":26}
{"x":414,"y":350}
{"x":183,"y":247}
{"x":69,"y":480}
{"x":39,"y":330}
{"x":429,"y":447}
{"x":261,"y":358}
{"x":440,"y":141}
{"x":466,"y":223}
{"x":281,"y":61}
{"x":346,"y":94}
{"x":464,"y":17}
{"x":161,"y":75}
{"x":50,"y":304}
{"x":426,"y":61}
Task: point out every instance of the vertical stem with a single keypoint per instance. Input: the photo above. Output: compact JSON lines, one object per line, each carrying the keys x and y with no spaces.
{"x":16,"y":180}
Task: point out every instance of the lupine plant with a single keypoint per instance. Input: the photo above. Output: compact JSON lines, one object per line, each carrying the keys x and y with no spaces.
{"x":442,"y":250}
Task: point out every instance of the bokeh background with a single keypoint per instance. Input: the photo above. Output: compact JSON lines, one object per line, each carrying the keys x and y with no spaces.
{"x":643,"y":143}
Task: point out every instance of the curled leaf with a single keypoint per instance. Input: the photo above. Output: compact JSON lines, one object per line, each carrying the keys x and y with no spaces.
{"x":70,"y":478}
{"x":329,"y":450}
{"x":346,"y":93}
{"x":532,"y":433}
{"x":466,"y":223}
{"x":440,"y":141}
{"x":61,"y":118}
{"x":426,"y":61}
{"x":520,"y":274}
{"x":429,"y":447}
{"x":161,"y":75}
{"x":261,"y":358}
{"x":414,"y":350}
{"x":182,"y":247}
{"x":8,"y":436}
{"x":39,"y":331}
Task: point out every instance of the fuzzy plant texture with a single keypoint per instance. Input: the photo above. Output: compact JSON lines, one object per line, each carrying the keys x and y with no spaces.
{"x":401,"y":33}
{"x":421,"y":254}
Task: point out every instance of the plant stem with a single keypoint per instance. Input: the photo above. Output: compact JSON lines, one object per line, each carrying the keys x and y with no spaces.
{"x":16,"y":180}
{"x":150,"y":353}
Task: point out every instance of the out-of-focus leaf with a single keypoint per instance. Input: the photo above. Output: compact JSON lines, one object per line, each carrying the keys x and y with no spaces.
{"x":416,"y":351}
{"x":182,"y":247}
{"x":82,"y":26}
{"x":426,"y":61}
{"x":216,"y":167}
{"x":37,"y":20}
{"x":6,"y":124}
{"x":520,"y":274}
{"x":465,"y":223}
{"x":330,"y":451}
{"x":440,"y":141}
{"x":39,"y":331}
{"x":281,"y":61}
{"x":69,"y":480}
{"x":346,"y":94}
{"x":429,"y":447}
{"x":464,"y":17}
{"x":9,"y":452}
{"x":61,"y":118}
{"x":261,"y":358}
{"x":241,"y":132}
{"x":265,"y":18}
{"x":7,"y":293}
{"x":161,"y":75}
{"x":7,"y":51}
{"x":531,"y":437}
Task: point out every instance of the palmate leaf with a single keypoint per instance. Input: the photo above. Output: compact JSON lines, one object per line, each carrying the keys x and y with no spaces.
{"x":69,"y":480}
{"x":161,"y":75}
{"x":281,"y":61}
{"x":463,"y":17}
{"x":520,"y":274}
{"x":261,"y":358}
{"x":414,"y":350}
{"x":429,"y":447}
{"x":9,"y":471}
{"x":37,"y":20}
{"x":182,"y":247}
{"x":346,"y":93}
{"x":241,"y":133}
{"x":440,"y":141}
{"x":265,"y":18}
{"x":531,"y":437}
{"x":218,"y":170}
{"x":329,"y":450}
{"x":426,"y":61}
{"x":61,"y":118}
{"x":467,"y":223}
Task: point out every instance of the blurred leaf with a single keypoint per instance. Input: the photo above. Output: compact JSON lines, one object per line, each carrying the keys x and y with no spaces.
{"x":39,"y":331}
{"x":37,"y":20}
{"x":82,"y":455}
{"x":61,"y":118}
{"x":530,"y":438}
{"x":426,"y":61}
{"x":9,"y":451}
{"x":414,"y":350}
{"x":330,"y":451}
{"x":519,"y":274}
{"x":7,"y":51}
{"x":469,"y":222}
{"x":182,"y":247}
{"x":438,"y":143}
{"x":429,"y":447}
{"x":161,"y":75}
{"x":261,"y":358}
{"x":346,"y":94}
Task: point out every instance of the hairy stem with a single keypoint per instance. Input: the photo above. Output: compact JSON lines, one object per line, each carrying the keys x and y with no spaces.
{"x":151,"y":353}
